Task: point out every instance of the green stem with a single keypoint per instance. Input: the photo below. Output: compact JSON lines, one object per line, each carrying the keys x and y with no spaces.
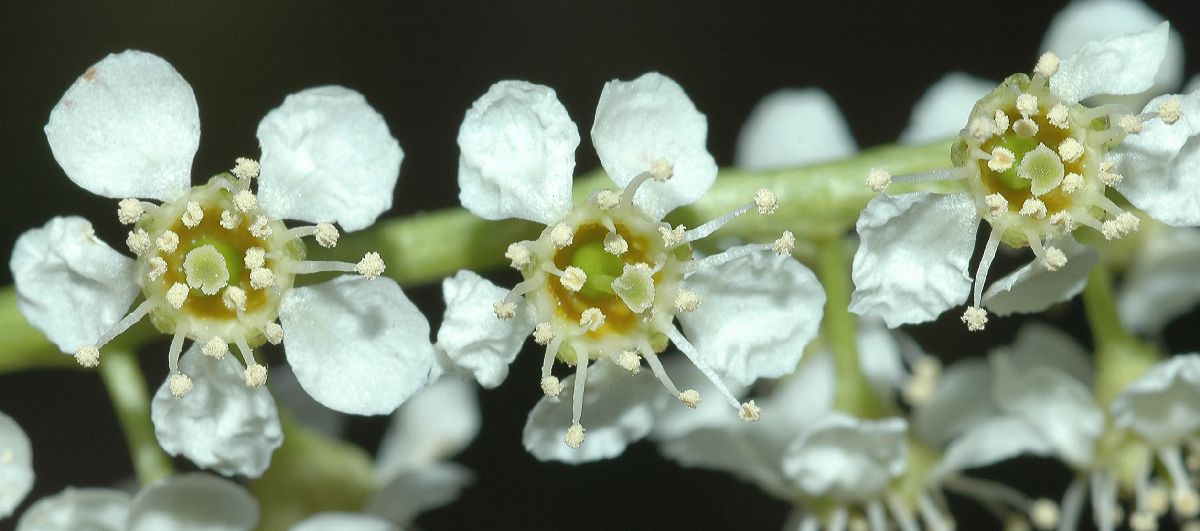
{"x":127,"y":391}
{"x":1120,"y":356}
{"x":838,"y":329}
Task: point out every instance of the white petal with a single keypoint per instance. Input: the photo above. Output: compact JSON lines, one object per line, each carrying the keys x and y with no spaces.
{"x":193,"y":502}
{"x":992,"y":441}
{"x":327,"y":155}
{"x":222,"y":424}
{"x":848,"y":458}
{"x":418,"y":490}
{"x":961,"y":400}
{"x":1159,"y":284}
{"x":358,"y":346}
{"x":673,"y":420}
{"x":1192,"y":85}
{"x":649,"y":119}
{"x":73,"y":509}
{"x":434,"y":424}
{"x":128,"y":127}
{"x":1033,"y":288}
{"x":793,"y":127}
{"x":1084,"y":21}
{"x":70,"y":285}
{"x":473,"y":340}
{"x":1161,"y":165}
{"x":344,"y":522}
{"x":912,"y":263}
{"x":1060,"y":408}
{"x":618,"y":409}
{"x":286,"y":390}
{"x":880,"y":356}
{"x":1163,"y":405}
{"x":756,"y":314}
{"x":944,"y":109}
{"x":517,"y":154}
{"x":1039,"y":344}
{"x":1121,"y":64}
{"x":16,"y":465}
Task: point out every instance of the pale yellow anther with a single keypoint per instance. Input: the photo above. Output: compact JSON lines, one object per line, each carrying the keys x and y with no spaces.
{"x":749,"y":411}
{"x":975,"y":318}
{"x":1070,"y":150}
{"x":1058,"y":116}
{"x":87,"y":356}
{"x":1044,"y":514}
{"x":1027,"y":104}
{"x":138,"y":241}
{"x":607,"y":199}
{"x":518,"y":255}
{"x":1143,"y":521}
{"x":261,"y":278}
{"x":1025,"y":128}
{"x":766,"y":201}
{"x":543,"y":333}
{"x":1158,"y":500}
{"x":686,"y":300}
{"x":246,"y":168}
{"x":1131,"y":123}
{"x":192,"y":214}
{"x":921,"y":386}
{"x":1034,"y":208}
{"x":158,"y":266}
{"x":690,"y":398}
{"x":229,"y":220}
{"x":260,"y":228}
{"x":981,"y":128}
{"x":177,"y":295}
{"x":1002,"y":159}
{"x":551,"y":387}
{"x":591,"y":319}
{"x":878,"y":179}
{"x":1186,"y":502}
{"x":661,"y":170}
{"x":255,"y":258}
{"x":179,"y":384}
{"x":215,"y":348}
{"x":234,"y":298}
{"x":561,"y":235}
{"x":785,"y":244}
{"x":997,"y":204}
{"x":129,"y":211}
{"x":630,"y":361}
{"x":1120,"y":226}
{"x":326,"y":235}
{"x":504,"y":310}
{"x":1055,"y":258}
{"x":672,"y":237}
{"x":1072,"y":182}
{"x":1170,"y":110}
{"x":167,"y":242}
{"x":244,"y":201}
{"x":615,"y":244}
{"x":1063,"y":220}
{"x":1001,"y":121}
{"x":573,"y":278}
{"x":575,"y":435}
{"x":255,"y":376}
{"x":273,"y":332}
{"x":1047,"y":65}
{"x":371,"y":266}
{"x":1107,"y":175}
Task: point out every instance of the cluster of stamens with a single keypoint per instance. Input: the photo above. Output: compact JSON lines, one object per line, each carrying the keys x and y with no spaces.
{"x":213,"y":267}
{"x":606,"y":281}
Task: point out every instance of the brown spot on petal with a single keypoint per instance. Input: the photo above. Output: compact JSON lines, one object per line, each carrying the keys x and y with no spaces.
{"x":91,"y":74}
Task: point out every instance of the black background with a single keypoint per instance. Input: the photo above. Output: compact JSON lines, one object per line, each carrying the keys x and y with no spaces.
{"x":421,"y":65}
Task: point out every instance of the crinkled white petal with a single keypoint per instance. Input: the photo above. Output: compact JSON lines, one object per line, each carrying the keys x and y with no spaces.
{"x":758,"y":313}
{"x":291,"y":397}
{"x":90,"y":509}
{"x":1116,"y":65}
{"x":358,"y":346}
{"x":792,"y":127}
{"x":912,"y":262}
{"x":222,"y":424}
{"x":327,"y":155}
{"x":1192,"y":85}
{"x":618,"y":409}
{"x":1084,"y":21}
{"x":333,"y":521}
{"x":417,"y":490}
{"x":517,"y":156}
{"x":1033,"y":288}
{"x":16,"y":465}
{"x":434,"y":424}
{"x":991,"y":441}
{"x":956,"y":405}
{"x":1161,"y":165}
{"x":1160,"y":283}
{"x":944,"y":108}
{"x":128,"y":127}
{"x":881,"y":354}
{"x":847,"y":458}
{"x":193,"y":502}
{"x":1058,"y":406}
{"x":70,"y":285}
{"x":1039,"y":344}
{"x":1163,"y":405}
{"x":473,"y":340}
{"x":649,"y":119}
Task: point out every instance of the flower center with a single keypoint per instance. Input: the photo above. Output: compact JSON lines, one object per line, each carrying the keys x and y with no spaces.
{"x":206,"y":269}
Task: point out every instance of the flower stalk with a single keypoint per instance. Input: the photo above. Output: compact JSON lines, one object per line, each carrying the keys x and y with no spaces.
{"x":127,"y":390}
{"x":1120,"y":356}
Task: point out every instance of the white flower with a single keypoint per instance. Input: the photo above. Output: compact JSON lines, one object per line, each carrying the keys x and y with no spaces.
{"x":16,"y":465}
{"x":187,"y":502}
{"x":334,"y":521}
{"x":602,"y":281}
{"x":793,"y":127}
{"x":1035,"y":166}
{"x":1159,"y":284}
{"x":215,"y":264}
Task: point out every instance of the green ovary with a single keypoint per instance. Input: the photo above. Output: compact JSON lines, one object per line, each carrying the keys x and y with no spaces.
{"x":600,"y":266}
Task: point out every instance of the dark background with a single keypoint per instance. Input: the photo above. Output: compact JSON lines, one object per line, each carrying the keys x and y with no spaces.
{"x":421,"y":66}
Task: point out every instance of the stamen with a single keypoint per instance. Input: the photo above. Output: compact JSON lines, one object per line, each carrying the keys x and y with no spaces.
{"x":878,"y":179}
{"x":749,"y":411}
{"x":255,"y":375}
{"x":985,"y":263}
{"x":184,"y":384}
{"x":935,"y":519}
{"x":543,"y":333}
{"x":261,"y":278}
{"x":690,"y":398}
{"x":138,"y":242}
{"x":659,"y":371}
{"x":661,"y":170}
{"x":630,"y":361}
{"x":1143,"y":521}
{"x":607,"y":199}
{"x":215,"y":348}
{"x":1047,"y":65}
{"x":614,"y":244}
{"x":177,"y":295}
{"x":975,"y":317}
{"x":325,"y":233}
{"x":1107,"y":176}
{"x":1059,"y":116}
{"x":255,"y":258}
{"x":1120,"y":226}
{"x":707,"y":228}
{"x":1072,"y":182}
{"x":519,"y":255}
{"x":273,"y":332}
{"x":785,"y":244}
{"x":672,"y":237}
{"x":1025,"y":128}
{"x":766,"y":201}
{"x":1131,"y":124}
{"x":1170,"y":110}
{"x":1044,"y":514}
{"x":561,"y":235}
{"x":573,"y":278}
{"x":244,"y":201}
{"x":920,"y":387}
{"x":686,"y":300}
{"x":87,"y":356}
{"x":997,"y":205}
{"x":245,"y":168}
{"x":575,"y":434}
{"x":1027,"y":105}
{"x":982,"y":129}
{"x":167,"y":242}
{"x":229,"y":220}
{"x":1002,"y":159}
{"x":1033,"y":208}
{"x":234,"y":298}
{"x":1070,"y":150}
{"x":693,"y":355}
{"x":904,"y":518}
{"x":158,"y":266}
{"x":1001,"y":120}
{"x":260,"y":228}
{"x":371,"y":266}
{"x":591,"y":320}
{"x":192,"y":214}
{"x":504,"y":310}
{"x":129,"y":211}
{"x":180,"y":384}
